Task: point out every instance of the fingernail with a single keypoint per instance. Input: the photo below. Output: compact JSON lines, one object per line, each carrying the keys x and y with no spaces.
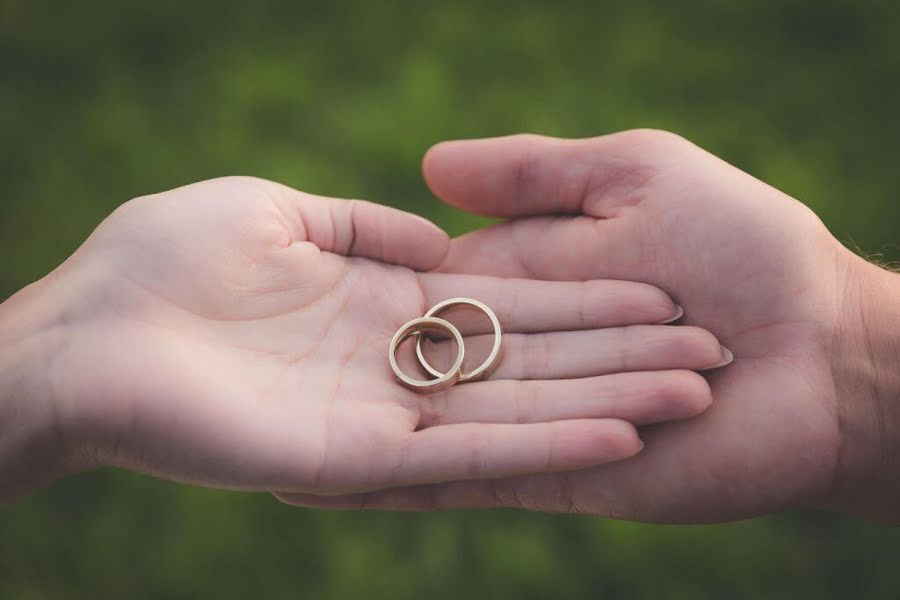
{"x":679,"y":312}
{"x":727,"y":358}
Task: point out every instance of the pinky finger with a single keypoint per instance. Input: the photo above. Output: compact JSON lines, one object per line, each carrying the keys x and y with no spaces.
{"x":452,"y":495}
{"x":478,"y":451}
{"x":490,"y":450}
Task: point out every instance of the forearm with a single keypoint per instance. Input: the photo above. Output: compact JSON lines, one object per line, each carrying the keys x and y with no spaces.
{"x":30,"y":446}
{"x":867,"y":380}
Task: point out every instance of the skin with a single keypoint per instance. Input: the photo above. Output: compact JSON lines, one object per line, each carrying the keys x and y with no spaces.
{"x":234,"y":333}
{"x":809,"y":413}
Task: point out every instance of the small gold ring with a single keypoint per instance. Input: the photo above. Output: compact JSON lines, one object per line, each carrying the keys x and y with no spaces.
{"x":490,"y":363}
{"x":444,"y":380}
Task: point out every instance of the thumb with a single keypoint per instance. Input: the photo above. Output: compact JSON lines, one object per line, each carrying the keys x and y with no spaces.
{"x":361,"y":228}
{"x":528,"y":175}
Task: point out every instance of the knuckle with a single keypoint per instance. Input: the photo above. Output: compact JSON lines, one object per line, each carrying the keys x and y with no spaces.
{"x":537,"y":355}
{"x":525,"y":402}
{"x":245,"y":181}
{"x":241,"y":186}
{"x":607,"y":386}
{"x":629,"y":339}
{"x":528,"y":162}
{"x":649,"y":138}
{"x":477,"y":443}
{"x":256,"y":189}
{"x":593,"y":298}
{"x":130,"y":209}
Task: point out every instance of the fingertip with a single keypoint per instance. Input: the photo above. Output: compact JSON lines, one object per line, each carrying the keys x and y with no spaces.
{"x":602,"y":441}
{"x":435,"y":245}
{"x":676,"y":315}
{"x":399,"y":238}
{"x":438,"y":168}
{"x":481,"y":175}
{"x":661,"y":396}
{"x":434,"y":152}
{"x":658,"y":305}
{"x":690,"y":394}
{"x":630,"y":303}
{"x":688,"y":347}
{"x":624,"y":440}
{"x":727,"y":358}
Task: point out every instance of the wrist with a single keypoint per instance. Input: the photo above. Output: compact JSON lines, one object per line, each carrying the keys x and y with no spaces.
{"x":31,"y":448}
{"x":867,"y":382}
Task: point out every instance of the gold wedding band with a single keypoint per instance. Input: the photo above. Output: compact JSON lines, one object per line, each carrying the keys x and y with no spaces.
{"x":424,"y":325}
{"x":430,"y":323}
{"x":490,"y":363}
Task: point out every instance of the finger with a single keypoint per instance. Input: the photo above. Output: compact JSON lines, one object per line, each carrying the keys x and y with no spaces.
{"x":487,"y":451}
{"x":359,"y":228}
{"x":532,"y":175}
{"x":571,"y":248}
{"x":572,"y":354}
{"x":438,"y":496}
{"x":525,"y":305}
{"x":639,"y":398}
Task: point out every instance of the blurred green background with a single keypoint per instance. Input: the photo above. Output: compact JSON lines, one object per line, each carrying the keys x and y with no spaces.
{"x":101,"y":101}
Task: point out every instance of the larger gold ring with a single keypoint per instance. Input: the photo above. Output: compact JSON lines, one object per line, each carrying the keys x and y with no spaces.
{"x":490,"y":363}
{"x":444,"y":380}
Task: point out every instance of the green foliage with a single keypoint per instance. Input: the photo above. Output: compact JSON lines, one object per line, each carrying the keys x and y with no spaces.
{"x":101,"y":101}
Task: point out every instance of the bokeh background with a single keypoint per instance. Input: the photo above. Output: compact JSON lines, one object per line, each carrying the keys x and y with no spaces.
{"x":104,"y":100}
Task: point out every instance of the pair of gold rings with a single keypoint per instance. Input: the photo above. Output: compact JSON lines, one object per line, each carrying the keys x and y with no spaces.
{"x":430,"y":323}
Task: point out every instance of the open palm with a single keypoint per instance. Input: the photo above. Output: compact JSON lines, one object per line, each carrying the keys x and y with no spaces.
{"x":235,"y":333}
{"x":753,"y":266}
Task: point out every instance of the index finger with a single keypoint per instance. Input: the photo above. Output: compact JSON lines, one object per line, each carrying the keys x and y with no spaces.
{"x":526,"y":305}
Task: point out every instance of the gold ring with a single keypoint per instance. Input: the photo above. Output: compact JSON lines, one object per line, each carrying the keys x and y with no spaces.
{"x":490,"y":363}
{"x":444,"y":380}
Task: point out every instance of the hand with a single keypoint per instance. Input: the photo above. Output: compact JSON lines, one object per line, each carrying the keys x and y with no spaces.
{"x":234,"y":333}
{"x":809,"y":413}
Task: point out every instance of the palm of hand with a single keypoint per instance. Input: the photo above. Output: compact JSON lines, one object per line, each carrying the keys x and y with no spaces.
{"x":753,"y":266}
{"x":256,"y":322}
{"x":251,"y":348}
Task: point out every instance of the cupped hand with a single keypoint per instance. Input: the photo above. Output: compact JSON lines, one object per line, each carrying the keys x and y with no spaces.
{"x":755,"y":267}
{"x":234,"y":333}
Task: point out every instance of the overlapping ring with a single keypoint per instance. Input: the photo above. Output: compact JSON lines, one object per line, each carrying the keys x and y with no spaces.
{"x":431,"y":323}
